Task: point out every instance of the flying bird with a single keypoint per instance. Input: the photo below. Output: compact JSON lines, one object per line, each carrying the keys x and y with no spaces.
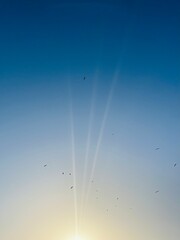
{"x":117,"y":198}
{"x":70,"y":174}
{"x":157,"y":148}
{"x":45,"y":165}
{"x":175,"y":164}
{"x":71,"y":187}
{"x":157,"y":191}
{"x":62,"y":173}
{"x":84,"y":78}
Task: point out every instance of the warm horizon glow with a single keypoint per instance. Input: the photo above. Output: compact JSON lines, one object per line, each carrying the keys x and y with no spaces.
{"x":78,"y":237}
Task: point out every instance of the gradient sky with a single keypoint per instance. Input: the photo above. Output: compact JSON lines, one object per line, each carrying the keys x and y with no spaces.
{"x":103,"y":129}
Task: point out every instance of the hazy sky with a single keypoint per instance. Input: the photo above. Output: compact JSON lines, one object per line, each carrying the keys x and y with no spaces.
{"x":103,"y":129}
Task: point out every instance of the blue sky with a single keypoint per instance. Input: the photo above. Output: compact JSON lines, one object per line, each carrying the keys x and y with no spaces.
{"x":127,"y":106}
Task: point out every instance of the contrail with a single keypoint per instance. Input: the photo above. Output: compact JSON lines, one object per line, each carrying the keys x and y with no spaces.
{"x":101,"y":133}
{"x":73,"y":159}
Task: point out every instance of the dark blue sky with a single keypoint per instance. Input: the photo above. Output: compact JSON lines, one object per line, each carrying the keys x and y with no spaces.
{"x":41,"y":37}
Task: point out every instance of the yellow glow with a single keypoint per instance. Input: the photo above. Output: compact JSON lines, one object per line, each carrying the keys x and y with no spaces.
{"x":77,"y":237}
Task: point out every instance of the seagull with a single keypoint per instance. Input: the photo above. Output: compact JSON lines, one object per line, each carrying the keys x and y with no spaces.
{"x":62,"y":173}
{"x":175,"y":164}
{"x":157,"y":148}
{"x":70,"y":174}
{"x":84,"y":78}
{"x":157,"y":191}
{"x":45,"y":165}
{"x":71,"y":187}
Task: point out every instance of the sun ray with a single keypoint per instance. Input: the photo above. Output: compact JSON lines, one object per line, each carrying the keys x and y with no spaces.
{"x":91,"y":116}
{"x":101,"y":135}
{"x":73,"y":158}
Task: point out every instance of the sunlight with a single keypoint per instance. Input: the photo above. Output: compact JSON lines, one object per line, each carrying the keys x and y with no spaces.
{"x":77,"y":237}
{"x":110,"y":95}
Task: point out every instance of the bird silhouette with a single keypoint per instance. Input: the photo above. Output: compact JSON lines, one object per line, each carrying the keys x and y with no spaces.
{"x":84,"y":78}
{"x":71,"y":187}
{"x":45,"y":165}
{"x":157,"y":148}
{"x":175,"y":165}
{"x":62,"y":173}
{"x":157,"y":191}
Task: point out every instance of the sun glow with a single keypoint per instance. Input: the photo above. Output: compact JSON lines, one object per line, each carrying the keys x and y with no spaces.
{"x":78,"y":237}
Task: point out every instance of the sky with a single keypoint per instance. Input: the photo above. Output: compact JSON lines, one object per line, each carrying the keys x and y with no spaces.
{"x":89,"y":100}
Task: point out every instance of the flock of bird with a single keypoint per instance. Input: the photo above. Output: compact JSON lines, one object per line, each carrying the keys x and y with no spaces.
{"x":175,"y":164}
{"x":117,"y":198}
{"x":45,"y":165}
